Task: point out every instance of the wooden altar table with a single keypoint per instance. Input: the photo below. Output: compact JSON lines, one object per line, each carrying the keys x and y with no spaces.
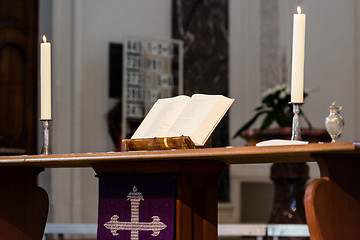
{"x":332,"y":203}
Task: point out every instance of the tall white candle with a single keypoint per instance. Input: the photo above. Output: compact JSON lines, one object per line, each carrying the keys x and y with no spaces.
{"x":45,"y":76}
{"x":298,"y":54}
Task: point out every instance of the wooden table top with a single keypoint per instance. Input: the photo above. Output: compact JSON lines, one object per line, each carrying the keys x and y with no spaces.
{"x":233,"y":155}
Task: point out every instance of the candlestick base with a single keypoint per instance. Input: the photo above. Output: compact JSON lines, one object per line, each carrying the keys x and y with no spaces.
{"x":296,"y":129}
{"x":45,"y":150}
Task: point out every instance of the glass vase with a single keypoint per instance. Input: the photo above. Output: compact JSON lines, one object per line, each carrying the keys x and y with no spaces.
{"x":334,"y":123}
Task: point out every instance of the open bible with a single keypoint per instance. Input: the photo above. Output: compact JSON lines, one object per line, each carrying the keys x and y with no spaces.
{"x":195,"y":116}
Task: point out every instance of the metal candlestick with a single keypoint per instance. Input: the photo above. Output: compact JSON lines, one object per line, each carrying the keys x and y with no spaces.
{"x":296,"y":132}
{"x":46,"y":138}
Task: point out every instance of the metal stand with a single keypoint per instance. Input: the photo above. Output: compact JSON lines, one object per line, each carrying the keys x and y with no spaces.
{"x":296,"y":132}
{"x":46,"y":138}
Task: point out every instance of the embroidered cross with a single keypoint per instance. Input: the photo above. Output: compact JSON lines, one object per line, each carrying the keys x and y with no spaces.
{"x":135,"y":225}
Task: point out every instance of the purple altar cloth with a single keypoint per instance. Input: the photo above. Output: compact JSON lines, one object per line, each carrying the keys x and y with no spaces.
{"x":136,"y":207}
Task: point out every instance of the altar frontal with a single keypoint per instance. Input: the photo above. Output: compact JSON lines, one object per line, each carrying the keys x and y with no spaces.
{"x":133,"y":207}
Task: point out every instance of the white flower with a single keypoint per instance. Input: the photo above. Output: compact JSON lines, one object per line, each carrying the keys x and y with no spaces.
{"x":282,"y":95}
{"x":277,"y":88}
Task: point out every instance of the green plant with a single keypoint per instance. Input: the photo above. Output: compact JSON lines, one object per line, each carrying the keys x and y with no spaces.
{"x":276,"y":108}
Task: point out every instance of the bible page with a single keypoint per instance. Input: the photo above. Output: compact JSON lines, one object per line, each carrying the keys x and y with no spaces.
{"x":200,"y":117}
{"x":160,"y":117}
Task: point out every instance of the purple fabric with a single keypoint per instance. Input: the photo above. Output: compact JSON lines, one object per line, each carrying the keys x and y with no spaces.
{"x":150,"y":195}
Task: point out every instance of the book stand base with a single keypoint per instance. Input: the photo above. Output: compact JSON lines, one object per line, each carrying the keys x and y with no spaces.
{"x":164,"y":143}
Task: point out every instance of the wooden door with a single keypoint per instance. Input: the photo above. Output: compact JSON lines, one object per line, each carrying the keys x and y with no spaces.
{"x":18,"y":76}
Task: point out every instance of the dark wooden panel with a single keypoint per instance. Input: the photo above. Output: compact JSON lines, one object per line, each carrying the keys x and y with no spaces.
{"x":12,"y":94}
{"x":15,"y":14}
{"x":196,"y":207}
{"x":18,"y":76}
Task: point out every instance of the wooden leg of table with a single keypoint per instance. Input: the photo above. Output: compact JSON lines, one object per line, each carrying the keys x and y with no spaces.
{"x":196,"y":207}
{"x":23,"y":205}
{"x":332,"y":203}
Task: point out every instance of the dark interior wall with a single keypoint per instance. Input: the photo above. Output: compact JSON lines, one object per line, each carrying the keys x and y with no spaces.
{"x":203,"y":26}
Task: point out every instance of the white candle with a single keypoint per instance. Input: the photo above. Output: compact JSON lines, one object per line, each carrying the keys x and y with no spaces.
{"x":45,"y":77}
{"x":298,"y":54}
